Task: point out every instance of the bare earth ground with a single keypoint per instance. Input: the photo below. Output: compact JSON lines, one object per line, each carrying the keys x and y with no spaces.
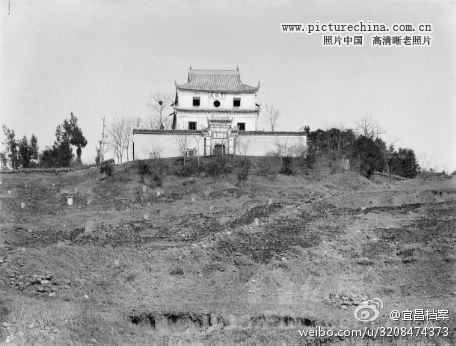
{"x":205,"y":261}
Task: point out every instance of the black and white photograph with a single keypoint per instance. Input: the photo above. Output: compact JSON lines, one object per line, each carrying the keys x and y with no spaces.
{"x":227,"y":172}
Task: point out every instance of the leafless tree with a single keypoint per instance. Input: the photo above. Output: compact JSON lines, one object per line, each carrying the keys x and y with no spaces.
{"x":160,"y":105}
{"x":130,"y":124}
{"x":242,"y":145}
{"x":272,"y":115}
{"x":155,"y":152}
{"x":424,"y":159}
{"x":288,"y":150}
{"x":182,"y":146}
{"x":197,"y":139}
{"x":280,"y":150}
{"x":368,"y":127}
{"x":120,"y":135}
{"x":116,"y":138}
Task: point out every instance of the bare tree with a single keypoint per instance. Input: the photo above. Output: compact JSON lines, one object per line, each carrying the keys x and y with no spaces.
{"x":272,"y":115}
{"x":368,"y":127}
{"x":155,"y":152}
{"x":130,"y":124}
{"x":424,"y":159}
{"x":243,"y":146}
{"x":197,"y":139}
{"x":160,"y":106}
{"x":120,"y":133}
{"x":116,"y":138}
{"x":280,"y":150}
{"x":102,"y":149}
{"x":288,"y":150}
{"x":182,"y":146}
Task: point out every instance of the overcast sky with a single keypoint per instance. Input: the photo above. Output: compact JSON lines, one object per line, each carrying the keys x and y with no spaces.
{"x":104,"y":58}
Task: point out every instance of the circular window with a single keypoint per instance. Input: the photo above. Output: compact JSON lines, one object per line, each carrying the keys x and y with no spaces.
{"x":216,"y":103}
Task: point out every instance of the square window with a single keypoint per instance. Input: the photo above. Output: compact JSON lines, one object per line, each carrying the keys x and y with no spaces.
{"x":241,"y":126}
{"x":237,"y":102}
{"x":196,"y":101}
{"x":192,"y":125}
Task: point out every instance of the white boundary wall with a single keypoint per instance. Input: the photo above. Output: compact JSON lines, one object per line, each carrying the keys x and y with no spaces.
{"x":251,"y":143}
{"x":165,"y":145}
{"x":263,"y":143}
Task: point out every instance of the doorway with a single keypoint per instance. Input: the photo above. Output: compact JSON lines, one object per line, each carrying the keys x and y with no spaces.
{"x":219,"y":149}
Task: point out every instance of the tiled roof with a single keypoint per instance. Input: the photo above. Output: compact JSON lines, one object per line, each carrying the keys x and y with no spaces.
{"x":228,"y":81}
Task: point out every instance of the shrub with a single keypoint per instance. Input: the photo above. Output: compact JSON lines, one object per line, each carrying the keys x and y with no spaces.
{"x":107,"y":168}
{"x":189,"y":169}
{"x":155,"y":167}
{"x":243,"y":170}
{"x":287,"y":165}
{"x":268,"y":165}
{"x":218,"y":167}
{"x":403,"y":162}
{"x":157,"y":180}
{"x":143,"y":167}
{"x":367,"y":156}
{"x":59,"y":155}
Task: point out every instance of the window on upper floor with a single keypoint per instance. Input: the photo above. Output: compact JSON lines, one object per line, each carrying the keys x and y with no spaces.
{"x":241,"y":126}
{"x":237,"y":102}
{"x":196,"y":102}
{"x":216,"y":103}
{"x":192,"y":125}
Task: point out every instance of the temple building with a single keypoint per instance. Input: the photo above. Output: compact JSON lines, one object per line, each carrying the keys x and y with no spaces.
{"x":214,"y":114}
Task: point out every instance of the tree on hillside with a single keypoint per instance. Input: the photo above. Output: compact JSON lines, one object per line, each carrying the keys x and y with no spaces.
{"x":403,"y":162}
{"x":24,"y":152}
{"x":12,"y":147}
{"x":424,"y":159}
{"x":160,"y":106}
{"x":75,"y":135}
{"x":197,"y":139}
{"x":60,"y":154}
{"x":3,"y":159}
{"x":34,"y":149}
{"x":369,"y":128}
{"x":120,"y":134}
{"x":182,"y":147}
{"x":272,"y":115}
{"x":367,"y":156}
{"x":333,"y":144}
{"x":410,"y":165}
{"x":130,"y":124}
{"x":305,"y":129}
{"x":116,"y":138}
{"x":28,"y":151}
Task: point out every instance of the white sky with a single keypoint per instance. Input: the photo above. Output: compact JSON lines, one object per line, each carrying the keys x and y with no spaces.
{"x":104,"y":58}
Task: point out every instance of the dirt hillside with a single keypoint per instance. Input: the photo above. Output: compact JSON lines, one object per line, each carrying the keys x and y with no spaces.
{"x":203,"y":260}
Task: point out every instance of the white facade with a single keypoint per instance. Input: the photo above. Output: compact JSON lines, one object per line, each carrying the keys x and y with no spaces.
{"x":186,"y":112}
